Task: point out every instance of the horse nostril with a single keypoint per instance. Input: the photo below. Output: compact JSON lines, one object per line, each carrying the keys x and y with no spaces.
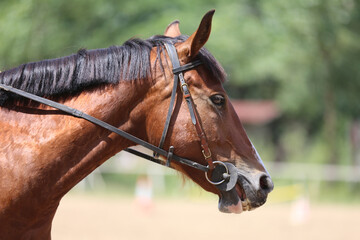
{"x":266,"y":183}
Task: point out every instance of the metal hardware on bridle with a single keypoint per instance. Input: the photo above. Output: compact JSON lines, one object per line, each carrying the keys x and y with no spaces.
{"x":222,"y":174}
{"x":221,"y":178}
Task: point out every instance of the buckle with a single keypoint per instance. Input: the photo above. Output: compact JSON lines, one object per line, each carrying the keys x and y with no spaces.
{"x":184,"y":85}
{"x":206,"y":156}
{"x":185,"y":89}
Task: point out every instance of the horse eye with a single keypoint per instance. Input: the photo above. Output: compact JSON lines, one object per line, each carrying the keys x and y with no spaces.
{"x":218,"y":100}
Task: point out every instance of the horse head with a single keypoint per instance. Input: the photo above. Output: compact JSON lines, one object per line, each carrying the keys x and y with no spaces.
{"x":225,"y":134}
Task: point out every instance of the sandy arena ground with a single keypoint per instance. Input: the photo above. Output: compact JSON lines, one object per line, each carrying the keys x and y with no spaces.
{"x":104,"y":217}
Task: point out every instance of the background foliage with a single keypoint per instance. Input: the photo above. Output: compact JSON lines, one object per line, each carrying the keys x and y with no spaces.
{"x":304,"y":54}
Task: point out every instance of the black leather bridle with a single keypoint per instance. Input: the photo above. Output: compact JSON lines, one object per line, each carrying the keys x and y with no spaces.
{"x":222,"y":174}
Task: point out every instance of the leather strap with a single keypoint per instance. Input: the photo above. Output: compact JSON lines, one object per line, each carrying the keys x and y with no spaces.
{"x":79,"y":114}
{"x":178,"y":75}
{"x":168,"y":117}
{"x":180,"y":69}
{"x":187,"y":66}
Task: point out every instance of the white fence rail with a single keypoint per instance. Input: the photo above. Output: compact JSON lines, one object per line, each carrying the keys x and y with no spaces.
{"x":125,"y":163}
{"x":314,"y":172}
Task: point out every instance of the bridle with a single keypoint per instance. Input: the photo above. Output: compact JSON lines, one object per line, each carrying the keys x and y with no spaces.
{"x":179,"y":78}
{"x":222,"y":174}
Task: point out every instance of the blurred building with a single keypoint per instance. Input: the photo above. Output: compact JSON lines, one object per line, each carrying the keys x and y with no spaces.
{"x":256,"y":112}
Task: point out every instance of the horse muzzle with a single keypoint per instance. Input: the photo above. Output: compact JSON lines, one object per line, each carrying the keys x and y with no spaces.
{"x":249,"y":192}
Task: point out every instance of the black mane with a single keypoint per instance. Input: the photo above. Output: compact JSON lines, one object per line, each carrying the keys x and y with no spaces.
{"x":88,"y":68}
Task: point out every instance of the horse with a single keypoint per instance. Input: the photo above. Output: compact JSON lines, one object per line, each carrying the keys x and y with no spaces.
{"x":45,"y":152}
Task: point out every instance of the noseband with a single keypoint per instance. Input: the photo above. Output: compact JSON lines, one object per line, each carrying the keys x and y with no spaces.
{"x":222,"y":175}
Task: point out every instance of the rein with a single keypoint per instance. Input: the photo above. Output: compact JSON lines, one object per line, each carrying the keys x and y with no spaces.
{"x":222,"y":175}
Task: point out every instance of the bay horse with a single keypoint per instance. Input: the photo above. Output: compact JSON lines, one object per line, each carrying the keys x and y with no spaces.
{"x":45,"y":152}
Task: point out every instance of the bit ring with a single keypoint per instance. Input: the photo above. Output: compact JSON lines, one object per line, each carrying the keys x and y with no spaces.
{"x":221,"y":181}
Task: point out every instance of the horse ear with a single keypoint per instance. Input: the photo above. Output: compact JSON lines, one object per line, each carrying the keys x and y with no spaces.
{"x":173,"y":29}
{"x":197,"y":40}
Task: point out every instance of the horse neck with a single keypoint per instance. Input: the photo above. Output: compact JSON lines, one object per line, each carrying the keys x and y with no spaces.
{"x":65,"y":149}
{"x":43,"y":154}
{"x":91,"y":145}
